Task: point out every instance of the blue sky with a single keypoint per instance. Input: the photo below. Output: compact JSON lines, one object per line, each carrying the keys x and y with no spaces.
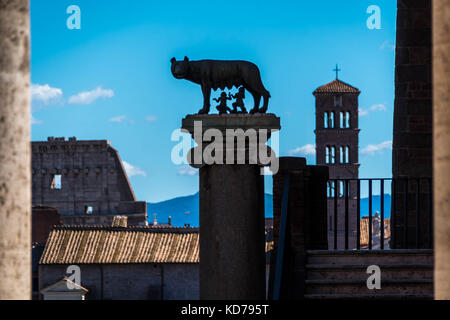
{"x":111,"y":79}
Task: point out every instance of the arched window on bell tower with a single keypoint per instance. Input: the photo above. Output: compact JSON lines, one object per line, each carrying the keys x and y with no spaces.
{"x":338,"y":101}
{"x":333,"y":154}
{"x":325,"y":120}
{"x":327,"y":154}
{"x":347,"y":119}
{"x":331,"y":120}
{"x":347,"y":154}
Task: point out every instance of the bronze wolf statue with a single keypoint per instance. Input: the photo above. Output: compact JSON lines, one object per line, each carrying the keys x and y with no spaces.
{"x":214,"y":74}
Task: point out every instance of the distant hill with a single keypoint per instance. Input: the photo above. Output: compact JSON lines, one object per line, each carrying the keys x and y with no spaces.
{"x":376,"y":205}
{"x":186,"y":209}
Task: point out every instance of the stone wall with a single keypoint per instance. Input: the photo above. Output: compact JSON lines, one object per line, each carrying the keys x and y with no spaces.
{"x":412,"y":140}
{"x":43,"y":218}
{"x":307,"y":221}
{"x":84,"y":180}
{"x":131,"y":281}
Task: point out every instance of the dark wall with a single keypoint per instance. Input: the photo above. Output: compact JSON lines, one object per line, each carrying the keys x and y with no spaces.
{"x":412,"y":144}
{"x":306,"y":224}
{"x":412,"y":141}
{"x":43,"y":218}
{"x":131,"y":281}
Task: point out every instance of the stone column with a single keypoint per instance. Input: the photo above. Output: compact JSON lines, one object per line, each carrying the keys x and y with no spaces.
{"x":441,"y":150}
{"x":15,"y":182}
{"x":232,"y":244}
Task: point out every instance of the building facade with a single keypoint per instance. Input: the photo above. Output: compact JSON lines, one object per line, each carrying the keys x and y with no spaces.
{"x":84,"y":180}
{"x":122,"y":263}
{"x":337,"y":147}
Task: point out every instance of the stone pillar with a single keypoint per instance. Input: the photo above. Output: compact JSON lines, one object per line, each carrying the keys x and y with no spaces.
{"x":15,"y":172}
{"x":306,"y":225}
{"x":412,"y":136}
{"x":232,"y":244}
{"x":441,"y":140}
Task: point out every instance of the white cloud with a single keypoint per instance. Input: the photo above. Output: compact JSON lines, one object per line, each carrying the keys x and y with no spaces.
{"x":132,"y":170}
{"x":151,"y":118}
{"x":378,"y":107}
{"x":362,"y":112}
{"x":187,"y":171}
{"x":35,"y":121}
{"x":87,"y":97}
{"x":117,"y":119}
{"x":306,"y":150}
{"x":373,"y":108}
{"x":45,"y":93}
{"x":371,"y":149}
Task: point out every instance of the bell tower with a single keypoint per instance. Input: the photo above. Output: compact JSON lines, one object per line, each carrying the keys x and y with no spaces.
{"x":337,"y":147}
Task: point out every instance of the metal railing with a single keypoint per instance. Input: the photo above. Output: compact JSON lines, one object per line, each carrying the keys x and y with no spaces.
{"x":410,"y":212}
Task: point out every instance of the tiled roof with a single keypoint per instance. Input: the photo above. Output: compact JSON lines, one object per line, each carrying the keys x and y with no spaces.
{"x":97,"y":244}
{"x":336,"y":86}
{"x":365,"y":230}
{"x":133,"y":244}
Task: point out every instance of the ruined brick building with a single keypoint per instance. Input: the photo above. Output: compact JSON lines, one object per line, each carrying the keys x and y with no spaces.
{"x":337,"y":147}
{"x":84,"y":180}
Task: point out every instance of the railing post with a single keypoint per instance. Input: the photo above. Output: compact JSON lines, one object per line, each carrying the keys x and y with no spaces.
{"x":382,"y":214}
{"x":346,"y":213}
{"x":335,"y":213}
{"x":370,"y":214}
{"x":430,"y":213}
{"x":358,"y":215}
{"x":393,"y":214}
{"x":417,"y":212}
{"x":405,"y":216}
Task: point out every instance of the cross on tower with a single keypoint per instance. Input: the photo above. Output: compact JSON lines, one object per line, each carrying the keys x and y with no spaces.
{"x":337,"y":71}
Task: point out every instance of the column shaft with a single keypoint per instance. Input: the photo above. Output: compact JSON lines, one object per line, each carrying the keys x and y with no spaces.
{"x":441,"y":148}
{"x":232,"y":259}
{"x":15,"y":182}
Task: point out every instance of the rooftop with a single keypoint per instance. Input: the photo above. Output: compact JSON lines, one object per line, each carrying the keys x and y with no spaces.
{"x":89,"y":244}
{"x":337,"y":86}
{"x":111,"y":245}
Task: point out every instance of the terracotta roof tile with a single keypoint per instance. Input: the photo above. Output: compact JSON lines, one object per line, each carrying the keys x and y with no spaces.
{"x":96,"y":244}
{"x":336,"y":86}
{"x":103,"y":245}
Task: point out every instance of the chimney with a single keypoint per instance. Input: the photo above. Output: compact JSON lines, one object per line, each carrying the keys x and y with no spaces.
{"x":155,"y":222}
{"x":120,"y":221}
{"x":170,"y":221}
